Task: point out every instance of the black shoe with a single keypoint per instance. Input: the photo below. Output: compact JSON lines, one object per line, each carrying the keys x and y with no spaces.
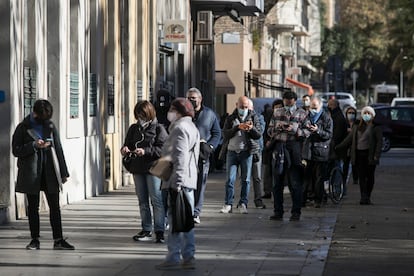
{"x":143,"y":236}
{"x":33,"y":245}
{"x":62,"y":244}
{"x":295,"y":217}
{"x":259,"y":204}
{"x":159,"y":237}
{"x":276,"y":216}
{"x":267,"y":195}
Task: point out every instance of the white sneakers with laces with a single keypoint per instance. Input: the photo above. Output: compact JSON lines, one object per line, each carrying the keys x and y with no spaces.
{"x":226,"y":209}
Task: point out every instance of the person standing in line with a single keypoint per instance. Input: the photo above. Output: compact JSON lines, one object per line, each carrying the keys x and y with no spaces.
{"x":183,"y":145}
{"x":286,"y":130}
{"x":268,"y":149}
{"x":257,"y":165}
{"x":316,"y":148}
{"x":308,"y":189}
{"x":210,"y":133}
{"x":32,"y":144}
{"x":306,"y":101}
{"x":365,"y":140}
{"x":336,"y":157}
{"x":142,"y":146}
{"x":241,"y":131}
{"x":350,"y":114}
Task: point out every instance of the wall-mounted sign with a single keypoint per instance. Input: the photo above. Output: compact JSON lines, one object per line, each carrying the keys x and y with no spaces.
{"x":175,"y":31}
{"x":2,"y":96}
{"x":231,"y":38}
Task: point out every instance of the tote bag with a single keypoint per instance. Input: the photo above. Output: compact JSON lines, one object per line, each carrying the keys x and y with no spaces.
{"x":162,"y":168}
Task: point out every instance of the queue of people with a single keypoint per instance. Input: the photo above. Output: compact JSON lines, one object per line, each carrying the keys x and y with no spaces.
{"x":285,"y":146}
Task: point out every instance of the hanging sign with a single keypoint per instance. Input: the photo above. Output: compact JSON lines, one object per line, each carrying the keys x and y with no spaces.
{"x":175,"y":31}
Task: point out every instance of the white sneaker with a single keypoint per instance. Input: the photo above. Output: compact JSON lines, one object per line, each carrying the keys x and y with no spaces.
{"x":226,"y":209}
{"x":243,"y":208}
{"x":197,"y":219}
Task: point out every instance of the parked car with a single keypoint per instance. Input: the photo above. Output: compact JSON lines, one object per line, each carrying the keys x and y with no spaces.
{"x":397,"y":124}
{"x":345,"y":99}
{"x":403,"y":101}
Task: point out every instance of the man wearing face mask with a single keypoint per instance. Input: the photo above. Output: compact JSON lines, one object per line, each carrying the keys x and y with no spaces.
{"x":306,"y":99}
{"x":316,"y":149}
{"x":286,"y":131}
{"x":142,"y":146}
{"x":241,"y":133}
{"x":210,"y":133}
{"x":365,"y":140}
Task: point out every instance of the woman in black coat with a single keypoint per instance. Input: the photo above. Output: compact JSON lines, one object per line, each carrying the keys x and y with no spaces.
{"x":365,"y":140}
{"x":35,"y":140}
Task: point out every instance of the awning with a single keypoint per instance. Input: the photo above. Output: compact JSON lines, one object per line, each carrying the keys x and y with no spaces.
{"x":301,"y":85}
{"x":223,"y":83}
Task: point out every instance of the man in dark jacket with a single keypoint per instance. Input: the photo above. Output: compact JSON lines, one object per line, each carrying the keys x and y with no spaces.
{"x":316,"y":148}
{"x":210,"y":133}
{"x":286,"y":129}
{"x":241,"y":133}
{"x":41,"y":167}
{"x":340,"y":129}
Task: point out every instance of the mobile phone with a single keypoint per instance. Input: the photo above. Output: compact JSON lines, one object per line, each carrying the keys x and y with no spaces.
{"x":49,"y":140}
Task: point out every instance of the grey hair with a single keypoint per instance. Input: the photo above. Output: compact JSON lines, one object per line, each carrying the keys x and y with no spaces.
{"x":319,"y":99}
{"x":195,"y":90}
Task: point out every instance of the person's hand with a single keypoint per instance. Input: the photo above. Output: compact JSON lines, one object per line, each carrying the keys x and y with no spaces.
{"x":313,"y":128}
{"x":41,"y":144}
{"x":125,"y":150}
{"x":139,"y":151}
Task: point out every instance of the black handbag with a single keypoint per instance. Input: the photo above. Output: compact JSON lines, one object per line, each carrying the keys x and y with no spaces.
{"x":181,"y":211}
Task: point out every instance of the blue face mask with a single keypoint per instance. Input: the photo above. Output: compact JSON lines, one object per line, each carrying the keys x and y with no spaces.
{"x":313,"y":111}
{"x":366,"y":117}
{"x":351,"y":116}
{"x":242,"y":112}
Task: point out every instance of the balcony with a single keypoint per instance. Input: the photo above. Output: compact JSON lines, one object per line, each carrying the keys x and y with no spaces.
{"x":288,"y":17}
{"x":222,"y":7}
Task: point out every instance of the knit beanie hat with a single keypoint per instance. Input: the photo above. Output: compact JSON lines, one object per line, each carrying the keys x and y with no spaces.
{"x":368,"y":109}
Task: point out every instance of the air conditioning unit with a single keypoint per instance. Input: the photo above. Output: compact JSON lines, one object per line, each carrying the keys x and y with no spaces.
{"x":204,"y":26}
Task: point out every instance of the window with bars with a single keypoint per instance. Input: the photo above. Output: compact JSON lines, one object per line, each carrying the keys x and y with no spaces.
{"x":111,"y":96}
{"x":30,"y":93}
{"x":93,"y":97}
{"x":74,"y":96}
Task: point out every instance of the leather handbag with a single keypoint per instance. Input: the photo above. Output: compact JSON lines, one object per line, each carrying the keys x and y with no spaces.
{"x":162,"y":168}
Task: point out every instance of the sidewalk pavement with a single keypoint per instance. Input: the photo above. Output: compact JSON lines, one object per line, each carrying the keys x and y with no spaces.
{"x":361,"y":240}
{"x":101,"y":229}
{"x":378,"y":239}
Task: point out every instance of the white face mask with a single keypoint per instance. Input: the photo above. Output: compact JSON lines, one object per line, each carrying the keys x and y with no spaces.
{"x":171,"y":116}
{"x":143,"y":123}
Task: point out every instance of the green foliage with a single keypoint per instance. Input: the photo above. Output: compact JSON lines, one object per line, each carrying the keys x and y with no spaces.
{"x":372,"y":31}
{"x":257,"y":39}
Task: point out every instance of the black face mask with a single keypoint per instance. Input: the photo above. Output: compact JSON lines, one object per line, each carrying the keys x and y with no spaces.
{"x":194,"y":103}
{"x":39,"y":120}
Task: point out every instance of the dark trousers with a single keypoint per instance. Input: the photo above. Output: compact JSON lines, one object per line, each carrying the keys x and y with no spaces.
{"x":366,"y":174}
{"x":54,"y":215}
{"x":294,"y":176}
{"x":203,"y":169}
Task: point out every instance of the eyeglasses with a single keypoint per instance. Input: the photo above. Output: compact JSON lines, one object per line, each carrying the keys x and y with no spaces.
{"x":350,"y":113}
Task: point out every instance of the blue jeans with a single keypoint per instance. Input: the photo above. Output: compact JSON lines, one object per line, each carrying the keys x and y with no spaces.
{"x":148,"y":186}
{"x":181,"y":243}
{"x":203,"y":168}
{"x":233,"y":161}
